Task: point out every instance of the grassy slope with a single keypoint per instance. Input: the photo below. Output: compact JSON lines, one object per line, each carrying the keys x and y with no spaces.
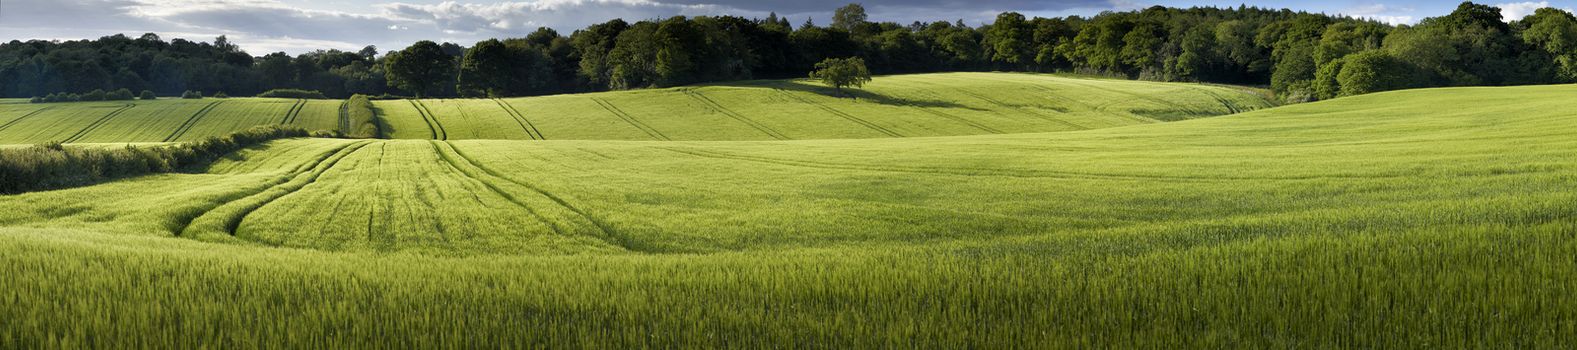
{"x":1439,"y":218}
{"x":891,"y":106}
{"x":155,"y":121}
{"x":907,"y":105}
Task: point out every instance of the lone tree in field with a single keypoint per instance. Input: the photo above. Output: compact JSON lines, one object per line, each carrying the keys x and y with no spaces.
{"x":419,"y":69}
{"x":841,"y":72}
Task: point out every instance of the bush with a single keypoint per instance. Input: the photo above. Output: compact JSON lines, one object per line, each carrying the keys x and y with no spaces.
{"x":192,"y":95}
{"x":148,"y":95}
{"x":52,"y":165}
{"x":95,"y":95}
{"x":361,"y":120}
{"x":71,"y":98}
{"x":293,"y":93}
{"x":36,"y":99}
{"x":1373,"y":71}
{"x":119,"y":95}
{"x":221,"y":94}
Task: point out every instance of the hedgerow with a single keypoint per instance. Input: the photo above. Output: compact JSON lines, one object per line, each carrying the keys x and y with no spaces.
{"x":53,"y":165}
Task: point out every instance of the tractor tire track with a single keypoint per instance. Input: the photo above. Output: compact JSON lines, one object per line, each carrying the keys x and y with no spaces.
{"x":8,"y":124}
{"x":432,"y":120}
{"x":344,"y":117}
{"x":607,"y":232}
{"x":313,"y":174}
{"x":97,"y":123}
{"x":958,"y":119}
{"x":531,"y":129}
{"x":852,"y":118}
{"x":229,"y":223}
{"x":630,"y":119}
{"x":500,"y":192}
{"x":1016,"y":107}
{"x":192,"y":121}
{"x":295,"y":110}
{"x":713,"y":105}
{"x":185,"y":223}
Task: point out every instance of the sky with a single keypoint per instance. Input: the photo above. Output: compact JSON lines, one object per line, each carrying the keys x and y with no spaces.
{"x":296,"y":26}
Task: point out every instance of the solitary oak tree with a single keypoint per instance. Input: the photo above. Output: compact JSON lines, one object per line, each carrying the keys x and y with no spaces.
{"x":841,"y":72}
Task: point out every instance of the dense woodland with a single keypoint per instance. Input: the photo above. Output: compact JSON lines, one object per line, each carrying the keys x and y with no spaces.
{"x":1301,"y":56}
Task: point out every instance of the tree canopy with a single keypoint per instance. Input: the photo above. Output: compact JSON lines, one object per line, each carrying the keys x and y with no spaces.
{"x":842,"y":72}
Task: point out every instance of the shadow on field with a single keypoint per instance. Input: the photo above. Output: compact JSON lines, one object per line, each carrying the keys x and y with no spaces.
{"x":864,"y":95}
{"x":232,"y":156}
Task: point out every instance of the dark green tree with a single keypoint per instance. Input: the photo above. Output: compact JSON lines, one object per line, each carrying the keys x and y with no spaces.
{"x":419,"y":69}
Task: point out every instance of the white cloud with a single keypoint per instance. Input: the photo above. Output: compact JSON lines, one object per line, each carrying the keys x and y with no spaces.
{"x":1518,"y":10}
{"x":1387,"y":14}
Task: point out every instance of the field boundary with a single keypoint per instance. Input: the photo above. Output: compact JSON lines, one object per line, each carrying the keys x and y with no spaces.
{"x":192,"y":121}
{"x":97,"y":123}
{"x":713,"y":105}
{"x":521,"y":119}
{"x":630,"y":119}
{"x":609,"y":234}
{"x":8,"y":124}
{"x":839,"y":113}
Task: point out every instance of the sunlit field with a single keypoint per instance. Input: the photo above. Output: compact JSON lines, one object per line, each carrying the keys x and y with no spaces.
{"x":1435,"y":218}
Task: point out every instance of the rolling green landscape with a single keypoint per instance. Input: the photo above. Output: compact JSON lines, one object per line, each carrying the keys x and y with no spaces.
{"x":946,"y":104}
{"x":1435,"y":217}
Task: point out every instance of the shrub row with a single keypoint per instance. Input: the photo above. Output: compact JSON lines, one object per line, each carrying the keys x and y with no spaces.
{"x":293,"y":93}
{"x":362,"y":121}
{"x":52,"y":165}
{"x":95,"y":95}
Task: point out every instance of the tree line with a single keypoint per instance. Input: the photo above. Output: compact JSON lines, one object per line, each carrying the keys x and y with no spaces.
{"x":1301,"y":56}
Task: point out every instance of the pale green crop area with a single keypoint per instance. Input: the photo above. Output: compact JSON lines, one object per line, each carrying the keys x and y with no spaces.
{"x":165,"y":120}
{"x":946,"y":104}
{"x":1439,"y":218}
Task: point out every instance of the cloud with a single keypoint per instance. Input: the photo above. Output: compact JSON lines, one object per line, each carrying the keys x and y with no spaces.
{"x":1387,"y":14}
{"x":518,"y":18}
{"x":1517,"y":10}
{"x":263,"y":26}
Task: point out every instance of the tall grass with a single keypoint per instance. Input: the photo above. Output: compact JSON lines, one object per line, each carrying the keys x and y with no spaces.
{"x":53,"y":165}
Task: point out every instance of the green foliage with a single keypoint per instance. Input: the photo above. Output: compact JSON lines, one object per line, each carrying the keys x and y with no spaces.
{"x":221,"y":94}
{"x":53,"y":166}
{"x":36,"y":99}
{"x":294,"y":93}
{"x":120,"y":95}
{"x":361,"y":120}
{"x":420,"y":69}
{"x":95,"y":95}
{"x":192,"y":95}
{"x":147,"y":96}
{"x":849,"y":17}
{"x":842,"y":72}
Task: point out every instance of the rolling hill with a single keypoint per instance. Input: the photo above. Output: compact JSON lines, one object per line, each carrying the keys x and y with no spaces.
{"x":1422,"y":218}
{"x":895,"y":106}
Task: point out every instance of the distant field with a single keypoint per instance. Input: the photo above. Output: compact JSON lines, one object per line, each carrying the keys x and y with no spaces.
{"x":1431,"y":218}
{"x":166,"y":120}
{"x":947,"y":104}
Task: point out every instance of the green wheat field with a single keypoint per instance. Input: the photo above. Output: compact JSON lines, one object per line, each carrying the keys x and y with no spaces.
{"x":959,"y":210}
